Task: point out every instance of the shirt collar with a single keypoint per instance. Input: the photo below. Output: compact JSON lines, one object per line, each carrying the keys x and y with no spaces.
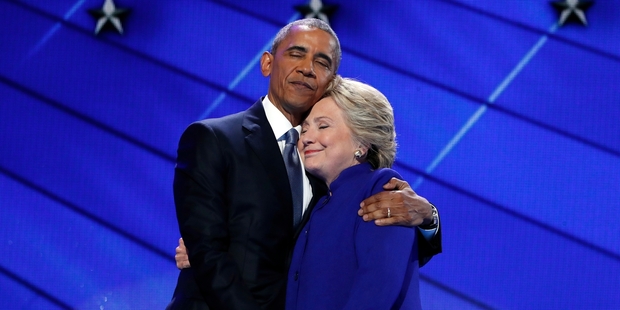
{"x":278,"y":122}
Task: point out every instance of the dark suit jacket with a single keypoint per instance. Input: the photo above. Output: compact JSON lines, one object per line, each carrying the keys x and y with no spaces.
{"x":234,"y":209}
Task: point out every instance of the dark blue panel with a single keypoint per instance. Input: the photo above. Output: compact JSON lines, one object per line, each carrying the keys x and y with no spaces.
{"x":75,"y":260}
{"x":191,"y":37}
{"x":465,"y":51}
{"x":539,"y":174}
{"x":90,"y":169}
{"x":562,"y":90}
{"x":117,"y":89}
{"x":534,"y":14}
{"x":17,"y":294}
{"x":508,"y":263}
{"x":601,"y":34}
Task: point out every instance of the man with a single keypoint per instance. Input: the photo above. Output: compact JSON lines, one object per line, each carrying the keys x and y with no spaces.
{"x":232,"y":194}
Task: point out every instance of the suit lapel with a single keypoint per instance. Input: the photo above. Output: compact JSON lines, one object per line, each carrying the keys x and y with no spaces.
{"x":259,"y":136}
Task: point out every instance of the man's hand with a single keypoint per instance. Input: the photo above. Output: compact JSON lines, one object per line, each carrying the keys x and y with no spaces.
{"x":180,"y":255}
{"x":405,"y":207}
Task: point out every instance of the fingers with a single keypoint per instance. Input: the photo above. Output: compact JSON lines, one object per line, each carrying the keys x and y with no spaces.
{"x":379,"y":200}
{"x":379,"y":210}
{"x":396,"y":184}
{"x":372,"y":200}
{"x":181,"y":260}
{"x":180,"y":249}
{"x":391,"y":221}
{"x":395,"y":188}
{"x":406,"y":207}
{"x":397,"y":216}
{"x":180,"y":256}
{"x":401,"y":212}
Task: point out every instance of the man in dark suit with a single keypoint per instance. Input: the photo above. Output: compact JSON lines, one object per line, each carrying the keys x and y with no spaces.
{"x":232,"y":193}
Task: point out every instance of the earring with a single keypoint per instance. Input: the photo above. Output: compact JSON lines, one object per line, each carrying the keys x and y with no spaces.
{"x":358,"y":154}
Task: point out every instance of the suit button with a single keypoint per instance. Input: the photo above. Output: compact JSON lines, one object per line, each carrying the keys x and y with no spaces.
{"x":296,"y":275}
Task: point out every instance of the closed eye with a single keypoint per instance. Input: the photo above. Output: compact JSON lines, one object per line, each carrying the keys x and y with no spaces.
{"x":324,"y":64}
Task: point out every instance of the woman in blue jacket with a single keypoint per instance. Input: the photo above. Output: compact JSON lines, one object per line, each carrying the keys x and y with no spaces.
{"x":340,"y":261}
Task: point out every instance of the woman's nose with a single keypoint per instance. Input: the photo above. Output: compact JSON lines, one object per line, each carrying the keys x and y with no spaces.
{"x":305,"y":139}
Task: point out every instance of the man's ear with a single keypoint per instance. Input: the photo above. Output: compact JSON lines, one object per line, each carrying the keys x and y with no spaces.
{"x":266,"y":60}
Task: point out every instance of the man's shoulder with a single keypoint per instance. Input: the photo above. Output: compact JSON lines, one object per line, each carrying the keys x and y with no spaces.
{"x":225,"y":120}
{"x":238,"y":118}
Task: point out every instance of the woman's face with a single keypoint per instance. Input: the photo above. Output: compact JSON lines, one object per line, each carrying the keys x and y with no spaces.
{"x":326,"y":144}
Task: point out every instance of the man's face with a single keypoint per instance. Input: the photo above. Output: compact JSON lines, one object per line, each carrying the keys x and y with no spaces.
{"x":300,"y":69}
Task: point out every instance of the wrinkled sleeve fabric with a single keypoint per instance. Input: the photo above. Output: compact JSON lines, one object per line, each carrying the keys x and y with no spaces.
{"x":387,"y":259}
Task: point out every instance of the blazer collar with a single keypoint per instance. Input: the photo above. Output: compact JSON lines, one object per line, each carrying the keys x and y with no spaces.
{"x":260,"y":138}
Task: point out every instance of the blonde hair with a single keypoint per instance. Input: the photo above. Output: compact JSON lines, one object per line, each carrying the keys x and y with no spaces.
{"x":370,"y":117}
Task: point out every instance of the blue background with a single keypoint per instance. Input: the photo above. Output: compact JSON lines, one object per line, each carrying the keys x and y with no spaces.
{"x":507,"y":122}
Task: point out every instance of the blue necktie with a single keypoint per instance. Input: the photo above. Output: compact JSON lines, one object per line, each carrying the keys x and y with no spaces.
{"x":293,"y":168}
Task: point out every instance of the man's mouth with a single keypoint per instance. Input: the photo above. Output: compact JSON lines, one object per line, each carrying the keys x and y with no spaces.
{"x":302,"y":85}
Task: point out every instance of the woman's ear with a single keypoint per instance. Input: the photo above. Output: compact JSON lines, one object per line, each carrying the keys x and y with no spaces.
{"x":360,"y":152}
{"x":363,"y":148}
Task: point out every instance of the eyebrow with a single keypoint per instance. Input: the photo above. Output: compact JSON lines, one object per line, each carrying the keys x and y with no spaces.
{"x":321,"y":118}
{"x":297,"y":48}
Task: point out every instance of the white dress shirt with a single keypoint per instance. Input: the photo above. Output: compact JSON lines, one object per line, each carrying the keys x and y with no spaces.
{"x":280,"y":125}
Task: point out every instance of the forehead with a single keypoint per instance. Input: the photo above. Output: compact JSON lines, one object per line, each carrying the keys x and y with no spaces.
{"x":326,"y":107}
{"x":311,"y":38}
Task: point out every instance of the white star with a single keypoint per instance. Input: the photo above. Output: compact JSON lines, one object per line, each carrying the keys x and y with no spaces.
{"x":572,"y":7}
{"x":108,"y":14}
{"x":316,"y":9}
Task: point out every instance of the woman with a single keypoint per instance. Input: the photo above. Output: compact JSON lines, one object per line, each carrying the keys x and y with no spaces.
{"x":340,"y":261}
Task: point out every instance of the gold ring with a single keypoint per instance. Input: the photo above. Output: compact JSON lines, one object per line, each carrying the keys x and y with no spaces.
{"x":389,"y":212}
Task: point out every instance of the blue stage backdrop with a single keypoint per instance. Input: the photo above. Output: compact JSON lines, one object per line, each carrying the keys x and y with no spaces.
{"x":507,"y":121}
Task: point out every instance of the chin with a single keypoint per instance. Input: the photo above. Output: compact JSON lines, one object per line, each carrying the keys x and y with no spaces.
{"x":314,"y":171}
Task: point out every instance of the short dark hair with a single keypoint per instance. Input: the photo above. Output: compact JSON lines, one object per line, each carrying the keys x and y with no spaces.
{"x":312,"y":23}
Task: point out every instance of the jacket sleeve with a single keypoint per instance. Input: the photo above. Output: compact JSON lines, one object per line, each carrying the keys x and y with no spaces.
{"x":427,"y":248}
{"x":199,"y":195}
{"x":387,"y":262}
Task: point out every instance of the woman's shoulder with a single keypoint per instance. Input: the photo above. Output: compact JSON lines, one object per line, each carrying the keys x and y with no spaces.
{"x":387,"y":172}
{"x":381,"y":176}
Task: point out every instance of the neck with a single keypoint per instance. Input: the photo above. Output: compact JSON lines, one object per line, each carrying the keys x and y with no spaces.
{"x":293,"y":116}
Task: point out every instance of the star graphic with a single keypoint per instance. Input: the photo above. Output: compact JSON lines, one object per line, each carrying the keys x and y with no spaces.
{"x":109,"y":16}
{"x":316,"y":9}
{"x":572,"y":10}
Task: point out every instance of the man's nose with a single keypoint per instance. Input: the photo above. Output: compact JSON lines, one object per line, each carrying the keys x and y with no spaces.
{"x":307,"y":68}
